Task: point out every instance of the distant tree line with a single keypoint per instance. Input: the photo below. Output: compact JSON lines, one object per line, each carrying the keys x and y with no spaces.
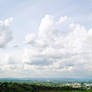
{"x":29,"y":87}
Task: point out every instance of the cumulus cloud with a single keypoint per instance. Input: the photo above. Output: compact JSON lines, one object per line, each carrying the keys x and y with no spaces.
{"x":30,"y":38}
{"x":10,"y":64}
{"x":60,"y":46}
{"x":5,"y":32}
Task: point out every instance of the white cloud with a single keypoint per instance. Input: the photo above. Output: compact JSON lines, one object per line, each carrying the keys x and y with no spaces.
{"x":60,"y":46}
{"x":5,"y":32}
{"x":30,"y":38}
{"x":11,"y":65}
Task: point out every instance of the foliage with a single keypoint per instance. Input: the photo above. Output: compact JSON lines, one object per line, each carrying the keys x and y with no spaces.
{"x":37,"y":87}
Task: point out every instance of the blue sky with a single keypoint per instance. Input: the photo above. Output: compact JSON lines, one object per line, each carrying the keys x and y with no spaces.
{"x":28,"y":13}
{"x":45,"y":37}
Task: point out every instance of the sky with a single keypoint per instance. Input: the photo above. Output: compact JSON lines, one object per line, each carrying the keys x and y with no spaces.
{"x":45,"y":38}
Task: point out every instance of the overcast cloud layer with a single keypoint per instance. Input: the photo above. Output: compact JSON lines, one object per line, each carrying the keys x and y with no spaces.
{"x":60,"y":48}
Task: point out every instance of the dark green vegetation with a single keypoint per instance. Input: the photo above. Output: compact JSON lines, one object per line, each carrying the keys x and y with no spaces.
{"x":38,"y":87}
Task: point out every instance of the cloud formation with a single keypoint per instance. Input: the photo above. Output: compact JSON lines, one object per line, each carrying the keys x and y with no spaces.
{"x":5,"y":32}
{"x":60,"y":46}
